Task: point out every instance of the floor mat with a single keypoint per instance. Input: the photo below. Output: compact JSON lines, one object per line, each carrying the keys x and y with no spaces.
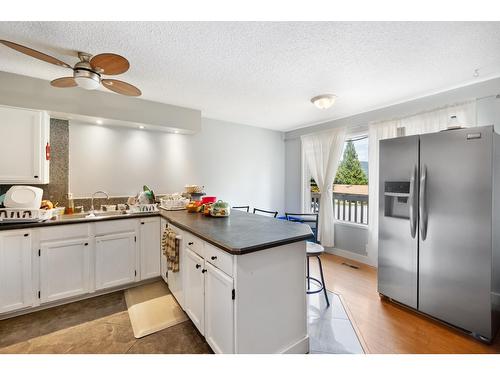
{"x":151,"y":308}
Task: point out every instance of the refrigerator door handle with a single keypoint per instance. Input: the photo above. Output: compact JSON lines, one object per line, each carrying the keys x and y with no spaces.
{"x":423,"y":203}
{"x":411,"y":198}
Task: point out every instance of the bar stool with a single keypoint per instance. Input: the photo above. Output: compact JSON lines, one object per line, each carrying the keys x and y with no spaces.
{"x":313,"y":249}
{"x":246,"y":208}
{"x":265,"y":212}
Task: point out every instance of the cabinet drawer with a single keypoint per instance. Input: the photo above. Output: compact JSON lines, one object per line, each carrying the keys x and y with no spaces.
{"x":59,"y":232}
{"x":115,"y":226}
{"x":219,"y":258}
{"x":194,"y":243}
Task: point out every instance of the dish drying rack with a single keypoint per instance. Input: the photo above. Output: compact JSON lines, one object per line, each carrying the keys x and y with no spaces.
{"x":174,"y":204}
{"x":144,"y":207}
{"x":24,"y":215}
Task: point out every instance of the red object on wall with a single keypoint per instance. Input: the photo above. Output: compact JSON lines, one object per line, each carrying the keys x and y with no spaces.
{"x":47,"y":151}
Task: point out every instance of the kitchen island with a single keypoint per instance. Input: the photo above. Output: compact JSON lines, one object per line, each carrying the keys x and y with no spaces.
{"x":242,"y":280}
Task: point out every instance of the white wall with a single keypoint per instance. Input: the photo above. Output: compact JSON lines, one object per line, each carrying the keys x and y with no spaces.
{"x":488,"y":113}
{"x":243,"y":165}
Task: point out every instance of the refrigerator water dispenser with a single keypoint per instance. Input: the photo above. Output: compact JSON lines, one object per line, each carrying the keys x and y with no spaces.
{"x":396,"y":195}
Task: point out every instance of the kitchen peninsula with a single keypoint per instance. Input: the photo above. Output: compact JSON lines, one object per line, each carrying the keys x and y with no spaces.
{"x":243,"y":280}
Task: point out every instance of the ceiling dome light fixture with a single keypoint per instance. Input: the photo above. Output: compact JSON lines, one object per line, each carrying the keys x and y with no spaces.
{"x":324,"y":101}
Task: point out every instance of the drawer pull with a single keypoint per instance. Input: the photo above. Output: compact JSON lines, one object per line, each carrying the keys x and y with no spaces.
{"x":213,"y":257}
{"x":190,"y":243}
{"x":86,"y":244}
{"x":203,"y":271}
{"x":198,"y":266}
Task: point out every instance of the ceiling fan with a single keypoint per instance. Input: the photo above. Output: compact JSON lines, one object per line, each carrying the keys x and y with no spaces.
{"x":87,"y":73}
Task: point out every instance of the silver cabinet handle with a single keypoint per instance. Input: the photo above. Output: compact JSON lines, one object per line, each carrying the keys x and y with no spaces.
{"x":422,"y":207}
{"x":411,"y":198}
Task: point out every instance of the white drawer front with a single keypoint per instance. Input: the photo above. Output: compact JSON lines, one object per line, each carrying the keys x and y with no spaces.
{"x":194,"y":243}
{"x":59,"y":232}
{"x":219,"y":258}
{"x":115,"y":226}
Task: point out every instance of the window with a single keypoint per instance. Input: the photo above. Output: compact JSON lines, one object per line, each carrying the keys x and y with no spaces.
{"x":350,"y":187}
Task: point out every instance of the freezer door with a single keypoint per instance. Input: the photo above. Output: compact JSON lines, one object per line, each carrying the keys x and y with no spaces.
{"x":398,"y":227}
{"x":455,"y":234}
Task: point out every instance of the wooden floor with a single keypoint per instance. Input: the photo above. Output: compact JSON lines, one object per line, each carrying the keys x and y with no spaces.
{"x":386,"y":327}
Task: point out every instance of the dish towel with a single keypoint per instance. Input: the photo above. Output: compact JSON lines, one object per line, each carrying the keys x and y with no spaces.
{"x":170,"y":248}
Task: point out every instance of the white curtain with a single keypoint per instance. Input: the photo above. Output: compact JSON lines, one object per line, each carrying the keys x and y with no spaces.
{"x":437,"y":120}
{"x":426,"y":122}
{"x":376,"y":132}
{"x":322,"y":153}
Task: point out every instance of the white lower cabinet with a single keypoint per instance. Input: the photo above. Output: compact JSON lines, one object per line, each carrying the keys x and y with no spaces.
{"x":149,"y":233}
{"x":219,"y":310}
{"x":194,"y":289}
{"x":64,"y":269}
{"x":15,"y":271}
{"x":115,"y":260}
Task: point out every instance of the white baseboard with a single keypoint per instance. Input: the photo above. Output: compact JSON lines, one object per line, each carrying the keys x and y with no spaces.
{"x":350,"y":255}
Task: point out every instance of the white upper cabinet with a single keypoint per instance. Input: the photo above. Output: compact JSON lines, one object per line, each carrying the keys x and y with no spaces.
{"x":150,"y":247}
{"x":25,"y":135}
{"x":15,"y":271}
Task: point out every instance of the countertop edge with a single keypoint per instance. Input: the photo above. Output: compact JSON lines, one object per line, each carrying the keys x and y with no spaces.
{"x":239,"y":251}
{"x":50,"y":223}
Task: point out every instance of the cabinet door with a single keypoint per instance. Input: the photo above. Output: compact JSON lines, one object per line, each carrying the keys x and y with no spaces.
{"x":219,"y":310}
{"x":194,"y":289}
{"x":22,"y":155}
{"x":150,"y":247}
{"x":115,"y":260}
{"x":64,"y":269}
{"x":15,"y":271}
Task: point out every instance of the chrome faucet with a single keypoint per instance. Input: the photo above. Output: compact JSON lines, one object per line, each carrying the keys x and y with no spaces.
{"x":92,"y":202}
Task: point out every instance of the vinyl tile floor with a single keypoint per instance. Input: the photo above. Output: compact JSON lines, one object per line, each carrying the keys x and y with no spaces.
{"x":101,"y":325}
{"x":330,"y":330}
{"x":95,"y":325}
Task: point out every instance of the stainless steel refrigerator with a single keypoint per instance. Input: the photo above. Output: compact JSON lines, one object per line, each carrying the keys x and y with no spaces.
{"x":439,"y":226}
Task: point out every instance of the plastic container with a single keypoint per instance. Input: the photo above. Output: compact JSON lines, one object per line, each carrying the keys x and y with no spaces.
{"x":205,"y":200}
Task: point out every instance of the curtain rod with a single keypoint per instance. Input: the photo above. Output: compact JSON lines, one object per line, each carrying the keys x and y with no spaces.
{"x":353,"y":127}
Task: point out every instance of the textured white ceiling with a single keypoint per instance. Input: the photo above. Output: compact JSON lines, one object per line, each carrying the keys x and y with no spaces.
{"x":264,"y":73}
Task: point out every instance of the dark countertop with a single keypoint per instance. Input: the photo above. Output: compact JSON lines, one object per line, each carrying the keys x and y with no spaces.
{"x":76,"y":220}
{"x":241,"y":232}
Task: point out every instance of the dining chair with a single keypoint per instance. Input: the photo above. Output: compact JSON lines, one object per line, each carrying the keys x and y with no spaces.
{"x":313,"y":249}
{"x":246,"y":208}
{"x":265,"y":212}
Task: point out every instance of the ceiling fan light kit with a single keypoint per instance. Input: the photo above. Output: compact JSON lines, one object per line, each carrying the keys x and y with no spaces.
{"x":87,"y":73}
{"x":87,"y":79}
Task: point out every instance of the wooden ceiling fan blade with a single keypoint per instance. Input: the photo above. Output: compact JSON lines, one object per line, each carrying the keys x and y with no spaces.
{"x":34,"y":53}
{"x":121,"y":87}
{"x":64,"y":82}
{"x":109,"y":63}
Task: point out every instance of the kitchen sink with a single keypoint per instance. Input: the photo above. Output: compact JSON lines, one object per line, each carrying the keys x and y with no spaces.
{"x":97,"y":214}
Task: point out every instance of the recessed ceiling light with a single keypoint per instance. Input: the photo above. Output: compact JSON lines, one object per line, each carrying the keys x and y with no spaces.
{"x":324,"y":101}
{"x":98,"y":122}
{"x":176,"y":131}
{"x":141,"y":126}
